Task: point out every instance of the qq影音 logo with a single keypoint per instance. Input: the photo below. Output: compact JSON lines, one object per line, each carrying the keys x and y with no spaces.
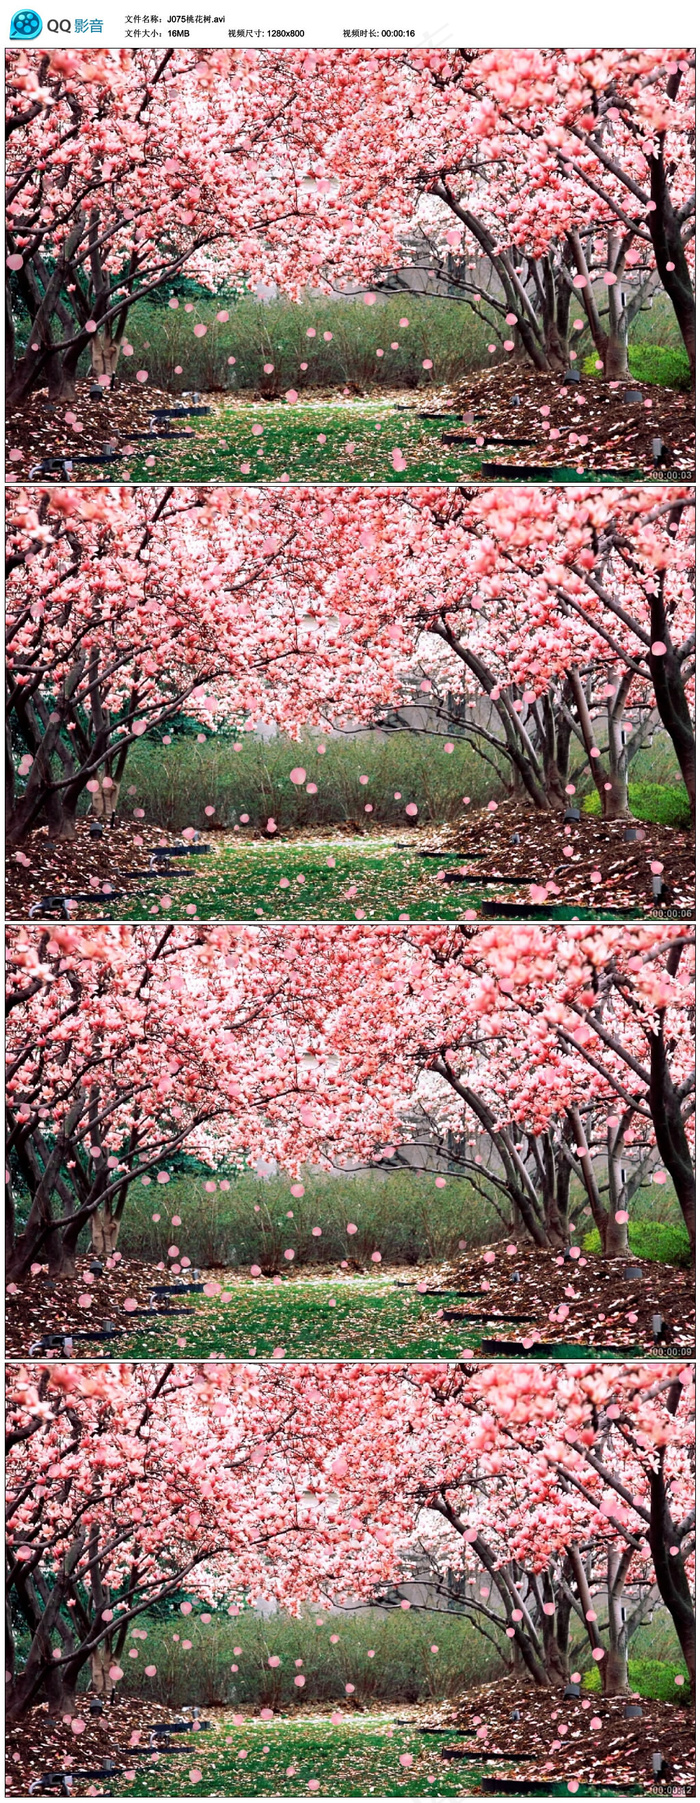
{"x":25,"y":25}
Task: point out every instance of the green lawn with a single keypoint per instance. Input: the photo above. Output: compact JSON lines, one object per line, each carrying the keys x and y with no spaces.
{"x":358,"y":1758}
{"x":370,"y":879}
{"x":248,"y":877}
{"x":320,"y":1317}
{"x":224,"y":447}
{"x":661,"y":803}
{"x":651,"y":1678}
{"x":663,"y":1241}
{"x":662,"y":365}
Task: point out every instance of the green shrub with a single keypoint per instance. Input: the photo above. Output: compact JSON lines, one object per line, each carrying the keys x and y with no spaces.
{"x":260,"y":332}
{"x":656,"y":762}
{"x":657,"y":325}
{"x":403,"y":1669}
{"x":656,"y":802}
{"x":174,"y":784}
{"x":656,"y":1639}
{"x":661,"y":365}
{"x":651,"y":1678}
{"x":402,"y":1215}
{"x":658,"y":1240}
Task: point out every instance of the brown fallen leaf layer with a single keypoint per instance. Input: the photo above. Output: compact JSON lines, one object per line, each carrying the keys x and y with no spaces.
{"x":558,"y":1731}
{"x":617,"y":435}
{"x":603,"y":868}
{"x":48,"y":1305}
{"x":619,"y":1752}
{"x":586,"y":1300}
{"x":482,"y":845}
{"x":117,"y":862}
{"x":599,"y":1300}
{"x":43,"y":1743}
{"x":40,"y":429}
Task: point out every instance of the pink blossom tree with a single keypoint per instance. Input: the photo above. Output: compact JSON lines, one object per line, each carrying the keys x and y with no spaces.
{"x":566,"y":171}
{"x":562,"y":170}
{"x":571,"y":616}
{"x":563,"y":1486}
{"x":131,"y":608}
{"x":128,"y":168}
{"x":562,"y":1483}
{"x":476,"y":1013}
{"x":129,"y":1484}
{"x":314,"y":1043}
{"x":564,"y":619}
{"x":124,"y":1048}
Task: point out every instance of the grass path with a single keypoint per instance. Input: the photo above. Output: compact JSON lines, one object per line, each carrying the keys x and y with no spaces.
{"x":312,"y":1756}
{"x":279,"y":1758}
{"x":314,"y":1317}
{"x":317,"y":879}
{"x":318,"y":441}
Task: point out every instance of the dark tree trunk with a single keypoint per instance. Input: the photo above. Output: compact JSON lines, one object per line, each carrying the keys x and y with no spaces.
{"x":104,"y":1233}
{"x":41,"y":1232}
{"x":614,"y":1675}
{"x":41,"y":1610}
{"x":669,"y":1569}
{"x":555,"y":1636}
{"x":670,"y":1131}
{"x":616,"y":364}
{"x":30,"y":370}
{"x":42,"y":1680}
{"x":669,"y":693}
{"x":669,"y":250}
{"x":613,"y":1234}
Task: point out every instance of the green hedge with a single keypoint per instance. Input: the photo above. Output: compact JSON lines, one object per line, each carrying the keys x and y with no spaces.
{"x":651,"y":1678}
{"x":174,"y":783}
{"x":445,"y":332}
{"x":402,"y":1215}
{"x":655,"y":802}
{"x":228,"y":1659}
{"x":657,"y":364}
{"x":657,"y":1240}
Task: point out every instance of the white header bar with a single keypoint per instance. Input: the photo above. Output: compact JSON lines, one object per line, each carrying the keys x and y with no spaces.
{"x":346,"y":24}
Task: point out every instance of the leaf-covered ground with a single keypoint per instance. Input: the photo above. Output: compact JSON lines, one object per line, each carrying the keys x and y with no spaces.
{"x":344,"y":1315}
{"x":593,"y":1300}
{"x":574,"y":1741}
{"x":324,"y":877}
{"x":347,"y":1754}
{"x":239,"y":441}
{"x":87,"y":1314}
{"x":496,"y":861}
{"x":401,"y":437}
{"x":589,"y":864}
{"x":401,"y":1314}
{"x":591,"y":423}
